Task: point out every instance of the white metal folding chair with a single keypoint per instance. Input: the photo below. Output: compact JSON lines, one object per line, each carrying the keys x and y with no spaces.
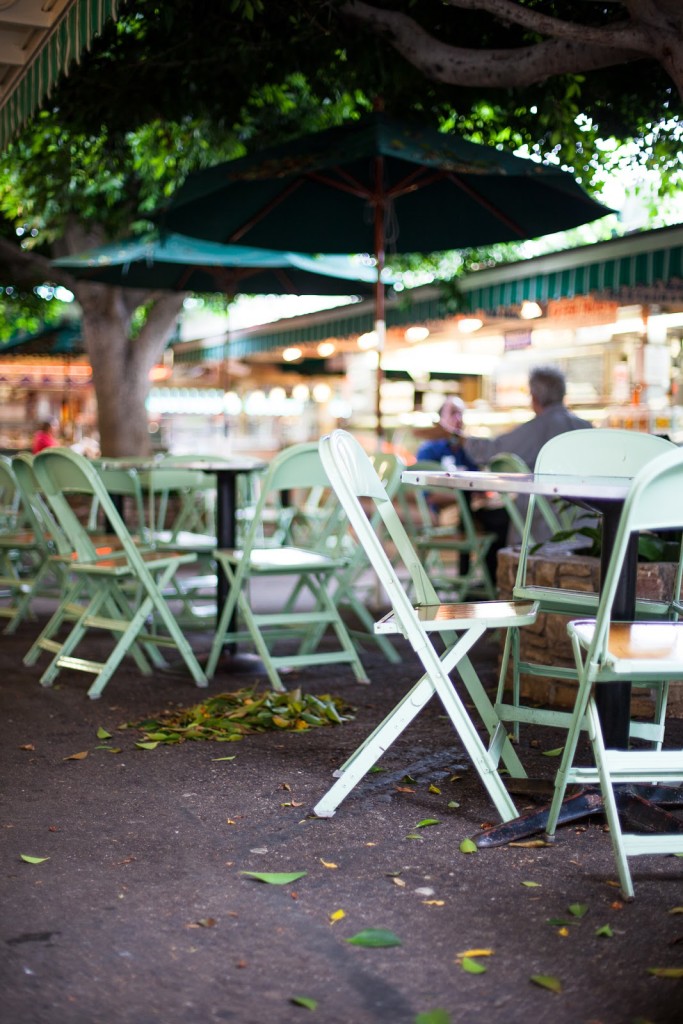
{"x":645,"y":653}
{"x":357,"y":485}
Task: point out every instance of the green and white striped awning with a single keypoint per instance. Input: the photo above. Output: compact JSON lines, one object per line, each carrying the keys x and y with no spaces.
{"x":644,"y":268}
{"x":39,"y":40}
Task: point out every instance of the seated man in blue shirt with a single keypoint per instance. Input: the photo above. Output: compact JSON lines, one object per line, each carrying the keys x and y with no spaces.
{"x":449,"y":451}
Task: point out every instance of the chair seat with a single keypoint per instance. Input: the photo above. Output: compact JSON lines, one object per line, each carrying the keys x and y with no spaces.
{"x":491,"y":614}
{"x":632,"y":642}
{"x":286,"y":559}
{"x":118,"y":564}
{"x":201,"y":542}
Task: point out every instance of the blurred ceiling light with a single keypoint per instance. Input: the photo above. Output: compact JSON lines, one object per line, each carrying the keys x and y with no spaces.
{"x":160,"y":373}
{"x":301,"y":393}
{"x":277,"y":394}
{"x":321,"y":392}
{"x":290,"y":355}
{"x":367,"y":341}
{"x":232,"y":403}
{"x":469,"y":324}
{"x":325,"y":349}
{"x":414,"y":334}
{"x":530,"y":310}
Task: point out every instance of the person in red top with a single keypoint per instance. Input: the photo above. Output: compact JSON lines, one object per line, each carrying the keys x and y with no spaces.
{"x":43,"y":437}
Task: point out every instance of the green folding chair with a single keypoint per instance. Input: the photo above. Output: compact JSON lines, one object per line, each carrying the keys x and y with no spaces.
{"x":311,"y":570}
{"x":554,"y":516}
{"x":23,"y":553}
{"x":645,"y":653}
{"x":454,"y":556}
{"x":460,"y":625}
{"x":120,"y":589}
{"x":10,"y":502}
{"x":602,"y":452}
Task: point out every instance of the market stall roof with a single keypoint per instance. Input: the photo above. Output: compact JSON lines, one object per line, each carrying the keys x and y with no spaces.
{"x":39,"y":40}
{"x":63,"y":338}
{"x":643,"y":268}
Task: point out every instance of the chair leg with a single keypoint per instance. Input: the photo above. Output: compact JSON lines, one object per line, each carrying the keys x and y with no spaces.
{"x":436,"y":679}
{"x":63,"y":613}
{"x":372,"y":748}
{"x":608,"y":801}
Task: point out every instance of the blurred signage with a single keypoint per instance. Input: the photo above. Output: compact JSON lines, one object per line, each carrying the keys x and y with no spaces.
{"x":582,"y":306}
{"x":516,"y":339}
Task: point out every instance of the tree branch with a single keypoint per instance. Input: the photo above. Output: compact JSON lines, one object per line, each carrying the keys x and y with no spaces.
{"x":505,"y":69}
{"x":622,"y":34}
{"x":23,"y":267}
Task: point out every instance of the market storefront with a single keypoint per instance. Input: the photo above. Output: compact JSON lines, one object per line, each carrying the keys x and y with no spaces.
{"x":611,"y":314}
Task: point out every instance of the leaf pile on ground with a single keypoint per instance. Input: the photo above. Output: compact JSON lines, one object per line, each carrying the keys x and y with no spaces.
{"x":230,"y":716}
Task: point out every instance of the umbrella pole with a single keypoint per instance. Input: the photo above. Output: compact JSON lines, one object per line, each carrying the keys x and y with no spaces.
{"x":380,"y":318}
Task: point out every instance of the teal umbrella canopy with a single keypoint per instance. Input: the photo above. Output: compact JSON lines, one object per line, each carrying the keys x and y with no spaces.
{"x":378,"y":184}
{"x":177,"y":263}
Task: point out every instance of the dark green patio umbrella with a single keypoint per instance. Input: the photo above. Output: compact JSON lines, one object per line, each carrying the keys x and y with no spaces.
{"x":176,"y":263}
{"x":378,"y":185}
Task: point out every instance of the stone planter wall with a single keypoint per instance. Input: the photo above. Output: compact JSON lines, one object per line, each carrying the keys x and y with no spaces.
{"x":547,"y":642}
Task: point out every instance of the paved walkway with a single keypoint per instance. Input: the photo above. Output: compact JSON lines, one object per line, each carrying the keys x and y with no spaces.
{"x":142,"y":913}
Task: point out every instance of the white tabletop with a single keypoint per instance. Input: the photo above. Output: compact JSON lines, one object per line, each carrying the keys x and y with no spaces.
{"x":552,"y":485}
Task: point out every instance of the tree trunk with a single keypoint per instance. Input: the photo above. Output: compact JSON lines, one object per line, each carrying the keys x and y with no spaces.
{"x":121,"y":364}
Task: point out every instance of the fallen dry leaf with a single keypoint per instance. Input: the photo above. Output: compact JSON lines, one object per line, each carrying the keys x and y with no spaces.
{"x":77,"y":757}
{"x":328,"y":864}
{"x":27,"y":746}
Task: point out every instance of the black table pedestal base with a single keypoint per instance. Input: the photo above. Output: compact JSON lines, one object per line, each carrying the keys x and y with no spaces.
{"x":641,"y":806}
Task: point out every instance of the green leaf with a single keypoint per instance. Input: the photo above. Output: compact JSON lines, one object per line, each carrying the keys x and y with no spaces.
{"x":666,"y":972}
{"x":414,"y":835}
{"x":102,"y":734}
{"x":578,"y":909}
{"x":605,"y":931}
{"x":453,"y":805}
{"x":532,"y":885}
{"x":471,"y":966}
{"x":147,"y":746}
{"x":559,"y":922}
{"x":230,"y":758}
{"x":374,"y":938}
{"x":547,"y":981}
{"x":426,"y":822}
{"x":309,"y":1004}
{"x":275,"y":877}
{"x":468,"y":846}
{"x":32,"y":860}
{"x":433,"y":1017}
{"x":553,"y":753}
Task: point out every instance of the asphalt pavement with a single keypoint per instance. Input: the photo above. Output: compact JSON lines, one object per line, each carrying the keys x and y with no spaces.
{"x":139,"y":910}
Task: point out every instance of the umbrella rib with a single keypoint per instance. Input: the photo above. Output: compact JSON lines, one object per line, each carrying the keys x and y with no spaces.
{"x":487,"y":204}
{"x":264,"y":211}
